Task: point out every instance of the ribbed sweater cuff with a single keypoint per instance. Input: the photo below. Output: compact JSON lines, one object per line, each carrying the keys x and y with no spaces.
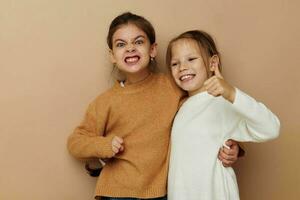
{"x":103,"y":147}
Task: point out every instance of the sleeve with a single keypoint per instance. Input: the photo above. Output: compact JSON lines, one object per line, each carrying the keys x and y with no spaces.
{"x":88,"y":140}
{"x":256,"y":123}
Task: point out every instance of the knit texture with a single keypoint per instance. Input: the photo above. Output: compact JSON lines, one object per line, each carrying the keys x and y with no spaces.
{"x":201,"y":127}
{"x":142,"y":115}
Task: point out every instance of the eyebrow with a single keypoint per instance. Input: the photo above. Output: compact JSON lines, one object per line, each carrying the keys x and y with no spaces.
{"x":137,"y":37}
{"x":192,"y":55}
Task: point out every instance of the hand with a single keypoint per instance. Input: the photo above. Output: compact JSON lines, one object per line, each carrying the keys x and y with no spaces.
{"x":93,"y":168}
{"x":117,"y":145}
{"x":229,"y":156}
{"x":216,"y":86}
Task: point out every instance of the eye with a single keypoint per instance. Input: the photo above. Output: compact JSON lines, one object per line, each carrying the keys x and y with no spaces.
{"x":139,"y":42}
{"x":120,"y":44}
{"x":192,"y":58}
{"x":174,"y":64}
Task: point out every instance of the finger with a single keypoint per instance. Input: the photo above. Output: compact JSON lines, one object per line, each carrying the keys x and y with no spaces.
{"x":120,"y":140}
{"x":122,"y":148}
{"x":227,"y":158}
{"x":235,"y":147}
{"x":230,"y":142}
{"x":115,"y":142}
{"x":223,"y":156}
{"x":216,"y":92}
{"x":117,"y":145}
{"x":212,"y":85}
{"x":214,"y":82}
{"x":212,"y":91}
{"x":234,"y":150}
{"x":115,"y":149}
{"x":227,"y":163}
{"x":229,"y":152}
{"x":208,"y":81}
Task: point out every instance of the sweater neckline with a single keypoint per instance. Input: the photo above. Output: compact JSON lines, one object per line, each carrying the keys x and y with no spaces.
{"x":134,"y":87}
{"x":202,"y":95}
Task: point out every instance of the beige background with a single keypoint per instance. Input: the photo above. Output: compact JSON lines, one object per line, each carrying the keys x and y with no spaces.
{"x":54,"y":61}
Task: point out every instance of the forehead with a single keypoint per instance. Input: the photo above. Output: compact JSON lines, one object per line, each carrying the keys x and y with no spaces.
{"x":185,"y":46}
{"x":128,"y":31}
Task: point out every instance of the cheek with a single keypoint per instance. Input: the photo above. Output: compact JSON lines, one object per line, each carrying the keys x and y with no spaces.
{"x":175,"y":76}
{"x":118,"y":56}
{"x":174,"y":73}
{"x":203,"y":72}
{"x":202,"y":78}
{"x":144,"y":49}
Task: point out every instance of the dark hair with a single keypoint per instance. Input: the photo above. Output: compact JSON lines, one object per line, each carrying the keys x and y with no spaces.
{"x":205,"y":42}
{"x":129,"y":18}
{"x":139,"y":21}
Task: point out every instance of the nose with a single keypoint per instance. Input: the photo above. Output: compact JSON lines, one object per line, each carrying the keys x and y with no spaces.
{"x":183,"y":66}
{"x":130,"y":48}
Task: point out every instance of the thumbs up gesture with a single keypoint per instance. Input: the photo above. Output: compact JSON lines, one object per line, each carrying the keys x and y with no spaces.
{"x":216,"y":85}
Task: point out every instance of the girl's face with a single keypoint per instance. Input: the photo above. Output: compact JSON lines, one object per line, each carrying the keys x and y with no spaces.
{"x":187,"y":66}
{"x":131,"y":52}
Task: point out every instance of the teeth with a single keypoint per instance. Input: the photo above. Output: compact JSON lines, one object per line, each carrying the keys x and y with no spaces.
{"x":132,"y":59}
{"x":185,"y":77}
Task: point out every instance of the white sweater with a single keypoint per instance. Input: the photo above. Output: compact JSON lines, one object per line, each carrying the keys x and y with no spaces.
{"x":202,"y":125}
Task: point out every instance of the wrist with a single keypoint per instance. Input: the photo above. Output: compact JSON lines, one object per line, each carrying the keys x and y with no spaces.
{"x":232,"y":95}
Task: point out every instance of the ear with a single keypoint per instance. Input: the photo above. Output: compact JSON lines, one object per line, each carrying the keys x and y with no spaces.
{"x":112,"y":57}
{"x":153,"y":50}
{"x":214,"y":62}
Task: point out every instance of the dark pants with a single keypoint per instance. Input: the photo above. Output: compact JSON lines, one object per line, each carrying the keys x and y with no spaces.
{"x":122,"y":198}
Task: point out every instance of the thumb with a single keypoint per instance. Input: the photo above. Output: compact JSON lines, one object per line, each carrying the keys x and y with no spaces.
{"x":229,"y":143}
{"x":217,"y":72}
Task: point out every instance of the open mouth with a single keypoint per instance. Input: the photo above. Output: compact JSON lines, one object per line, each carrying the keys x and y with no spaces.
{"x":131,"y":59}
{"x":187,"y":77}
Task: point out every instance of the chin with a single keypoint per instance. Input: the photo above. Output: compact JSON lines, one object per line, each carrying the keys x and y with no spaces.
{"x":187,"y":87}
{"x":132,"y":69}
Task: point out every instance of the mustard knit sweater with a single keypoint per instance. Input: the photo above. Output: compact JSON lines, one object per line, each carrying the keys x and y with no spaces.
{"x":142,"y":115}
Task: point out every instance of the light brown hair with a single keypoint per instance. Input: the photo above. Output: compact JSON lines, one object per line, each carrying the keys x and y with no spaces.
{"x":205,"y":42}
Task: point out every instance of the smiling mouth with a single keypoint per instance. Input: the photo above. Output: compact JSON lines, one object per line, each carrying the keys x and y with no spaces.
{"x":131,"y":59}
{"x":186,"y":77}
